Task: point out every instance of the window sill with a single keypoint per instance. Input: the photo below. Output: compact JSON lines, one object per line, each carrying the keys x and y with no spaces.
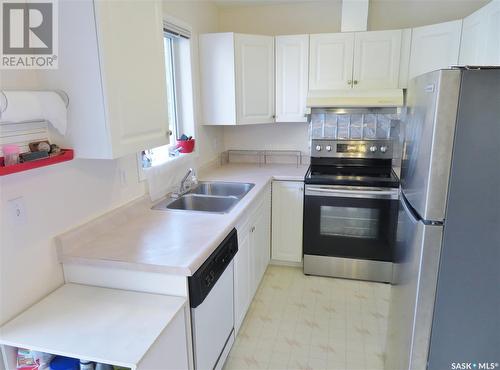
{"x":170,"y":162}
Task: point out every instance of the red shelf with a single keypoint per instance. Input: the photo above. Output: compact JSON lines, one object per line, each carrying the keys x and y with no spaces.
{"x":67,"y":155}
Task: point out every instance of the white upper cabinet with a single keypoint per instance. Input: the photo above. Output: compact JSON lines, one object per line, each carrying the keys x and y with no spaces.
{"x":237,"y":78}
{"x":292,"y":69}
{"x":481,"y":36}
{"x":330,"y":61}
{"x":377,"y":59}
{"x":254,"y":58}
{"x":434,"y":47}
{"x":361,"y":60}
{"x":111,"y":65}
{"x":473,"y":39}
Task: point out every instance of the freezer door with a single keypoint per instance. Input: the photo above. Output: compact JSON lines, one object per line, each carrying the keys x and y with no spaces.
{"x":413,"y":291}
{"x":429,"y":128}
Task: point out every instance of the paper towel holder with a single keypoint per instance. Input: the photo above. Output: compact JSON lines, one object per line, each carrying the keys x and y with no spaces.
{"x":4,"y":102}
{"x":64,"y":96}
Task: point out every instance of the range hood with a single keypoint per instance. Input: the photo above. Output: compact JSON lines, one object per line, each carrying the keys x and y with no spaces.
{"x":354,"y":98}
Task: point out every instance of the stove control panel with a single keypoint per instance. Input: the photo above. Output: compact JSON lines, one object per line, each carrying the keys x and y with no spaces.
{"x":351,"y":148}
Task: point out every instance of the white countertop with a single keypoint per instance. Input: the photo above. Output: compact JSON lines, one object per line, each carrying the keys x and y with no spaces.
{"x":136,"y":237}
{"x":96,"y":324}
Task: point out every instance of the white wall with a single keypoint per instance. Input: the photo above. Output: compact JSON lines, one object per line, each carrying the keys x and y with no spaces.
{"x":394,"y":14}
{"x":282,"y":19}
{"x":56,"y":198}
{"x":284,"y":136}
{"x":325,"y":16}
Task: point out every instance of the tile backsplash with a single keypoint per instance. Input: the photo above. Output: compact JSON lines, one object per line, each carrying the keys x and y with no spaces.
{"x":366,"y":126}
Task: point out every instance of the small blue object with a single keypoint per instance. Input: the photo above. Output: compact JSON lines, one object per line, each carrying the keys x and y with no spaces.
{"x":64,"y":363}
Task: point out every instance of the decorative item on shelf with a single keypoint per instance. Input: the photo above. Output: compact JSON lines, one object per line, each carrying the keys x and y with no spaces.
{"x":64,"y":363}
{"x":33,"y":360}
{"x":100,"y":366}
{"x":40,"y":150}
{"x":41,"y":154}
{"x":11,"y":154}
{"x":86,"y":365}
{"x":185,"y":144}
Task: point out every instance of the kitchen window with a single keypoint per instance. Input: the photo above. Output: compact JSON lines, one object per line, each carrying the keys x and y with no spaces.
{"x":177,"y":46}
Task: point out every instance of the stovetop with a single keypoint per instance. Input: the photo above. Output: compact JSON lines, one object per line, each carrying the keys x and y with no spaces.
{"x":352,"y":163}
{"x":351,"y":175}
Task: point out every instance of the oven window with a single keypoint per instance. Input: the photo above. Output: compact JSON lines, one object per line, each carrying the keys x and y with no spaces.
{"x":350,"y":222}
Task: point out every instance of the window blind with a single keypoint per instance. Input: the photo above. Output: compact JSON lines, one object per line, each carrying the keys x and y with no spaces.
{"x":176,"y":30}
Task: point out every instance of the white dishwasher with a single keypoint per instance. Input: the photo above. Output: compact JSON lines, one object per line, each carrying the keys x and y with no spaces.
{"x":211,"y":301}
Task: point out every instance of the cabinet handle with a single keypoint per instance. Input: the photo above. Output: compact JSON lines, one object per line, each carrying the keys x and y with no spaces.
{"x":355,"y":82}
{"x":252,"y":229}
{"x":349,"y":82}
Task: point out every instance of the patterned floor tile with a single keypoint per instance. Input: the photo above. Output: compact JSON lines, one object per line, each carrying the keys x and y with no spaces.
{"x":301,"y":322}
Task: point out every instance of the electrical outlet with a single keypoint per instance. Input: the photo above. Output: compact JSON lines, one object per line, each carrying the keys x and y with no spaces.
{"x":17,"y":211}
{"x":123,"y":177}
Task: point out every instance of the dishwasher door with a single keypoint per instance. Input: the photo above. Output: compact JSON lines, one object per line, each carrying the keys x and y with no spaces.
{"x":213,"y":322}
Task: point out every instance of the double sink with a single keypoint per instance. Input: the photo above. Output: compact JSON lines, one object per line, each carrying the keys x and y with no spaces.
{"x":208,"y":196}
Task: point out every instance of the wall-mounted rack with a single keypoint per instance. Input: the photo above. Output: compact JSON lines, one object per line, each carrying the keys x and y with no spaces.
{"x":261,"y":157}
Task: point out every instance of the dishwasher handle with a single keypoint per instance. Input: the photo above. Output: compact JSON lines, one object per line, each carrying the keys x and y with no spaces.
{"x":352,"y":192}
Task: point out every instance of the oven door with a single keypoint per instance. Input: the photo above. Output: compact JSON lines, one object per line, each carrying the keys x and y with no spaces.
{"x":350,"y":222}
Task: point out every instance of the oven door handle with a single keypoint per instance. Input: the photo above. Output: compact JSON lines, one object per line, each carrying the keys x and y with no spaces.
{"x":352,"y":193}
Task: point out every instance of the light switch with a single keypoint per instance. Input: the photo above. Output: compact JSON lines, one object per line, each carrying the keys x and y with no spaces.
{"x":17,"y":211}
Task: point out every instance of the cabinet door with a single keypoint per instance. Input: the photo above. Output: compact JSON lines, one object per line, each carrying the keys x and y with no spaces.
{"x":254,"y":68}
{"x":262,"y":239}
{"x":242,"y":296}
{"x":287,"y":217}
{"x":376,"y":59}
{"x":473,"y":38}
{"x":131,"y":52}
{"x":492,"y":48}
{"x":292,"y":69}
{"x":330,"y":61}
{"x":434,"y":47}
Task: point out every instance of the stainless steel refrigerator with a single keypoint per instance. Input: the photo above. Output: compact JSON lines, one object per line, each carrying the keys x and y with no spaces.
{"x":445,"y":298}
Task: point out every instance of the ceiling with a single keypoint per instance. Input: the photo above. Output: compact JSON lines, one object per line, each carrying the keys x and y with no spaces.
{"x":235,"y":3}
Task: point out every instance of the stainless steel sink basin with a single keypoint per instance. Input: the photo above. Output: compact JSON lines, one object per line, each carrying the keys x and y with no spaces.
{"x":211,"y":197}
{"x":200,"y":203}
{"x":223,"y":189}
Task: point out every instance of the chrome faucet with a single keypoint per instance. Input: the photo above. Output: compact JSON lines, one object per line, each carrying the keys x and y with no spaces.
{"x":182,"y":187}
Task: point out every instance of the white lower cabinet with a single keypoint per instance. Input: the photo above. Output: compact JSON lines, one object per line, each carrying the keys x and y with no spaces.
{"x":250,"y":263}
{"x":242,"y":296}
{"x":287,"y":217}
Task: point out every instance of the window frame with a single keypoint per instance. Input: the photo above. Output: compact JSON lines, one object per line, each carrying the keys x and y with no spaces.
{"x":173,"y":90}
{"x":179,"y":125}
